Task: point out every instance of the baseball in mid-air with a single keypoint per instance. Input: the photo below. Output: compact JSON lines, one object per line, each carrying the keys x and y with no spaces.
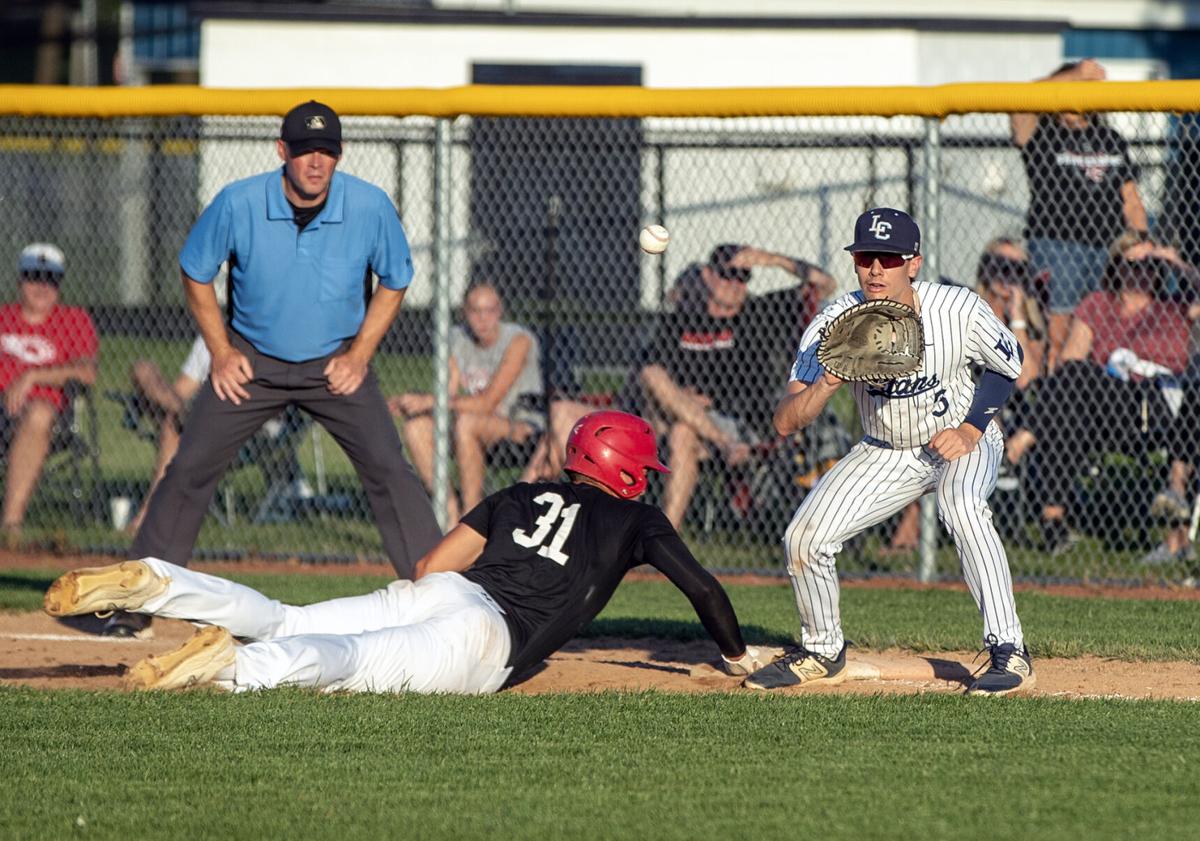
{"x":653,"y":239}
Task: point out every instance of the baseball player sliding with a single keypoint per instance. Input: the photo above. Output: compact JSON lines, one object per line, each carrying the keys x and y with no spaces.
{"x":929,"y":430}
{"x":520,"y":575}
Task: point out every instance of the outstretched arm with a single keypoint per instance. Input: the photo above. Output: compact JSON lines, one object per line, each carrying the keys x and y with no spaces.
{"x":670,"y":556}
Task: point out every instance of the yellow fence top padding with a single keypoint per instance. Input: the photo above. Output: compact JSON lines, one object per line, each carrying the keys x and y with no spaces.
{"x":493,"y":101}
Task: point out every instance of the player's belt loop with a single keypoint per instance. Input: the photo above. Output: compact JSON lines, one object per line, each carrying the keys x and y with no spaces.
{"x":875,"y":442}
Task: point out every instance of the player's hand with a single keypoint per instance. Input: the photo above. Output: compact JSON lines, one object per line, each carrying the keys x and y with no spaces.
{"x":231,"y":370}
{"x":956,"y":442}
{"x":832,"y":381}
{"x":755,"y":657}
{"x":345,"y":373}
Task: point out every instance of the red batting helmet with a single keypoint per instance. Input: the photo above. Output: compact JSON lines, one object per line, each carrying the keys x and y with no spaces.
{"x":603,"y":445}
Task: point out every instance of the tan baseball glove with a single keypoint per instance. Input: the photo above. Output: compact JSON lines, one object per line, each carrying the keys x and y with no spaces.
{"x":874,"y":341}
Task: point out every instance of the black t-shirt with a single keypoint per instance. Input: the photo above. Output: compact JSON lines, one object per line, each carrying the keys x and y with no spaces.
{"x":704,"y":353}
{"x":556,"y":551}
{"x":1075,"y":179}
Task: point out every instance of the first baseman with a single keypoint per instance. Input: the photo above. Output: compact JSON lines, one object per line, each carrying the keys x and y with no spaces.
{"x":931,"y":430}
{"x":520,"y":575}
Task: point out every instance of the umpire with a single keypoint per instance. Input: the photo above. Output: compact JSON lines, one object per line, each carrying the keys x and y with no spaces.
{"x":301,"y":242}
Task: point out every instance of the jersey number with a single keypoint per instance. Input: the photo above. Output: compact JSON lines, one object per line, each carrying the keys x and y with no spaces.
{"x":555,"y":512}
{"x":942,"y":405}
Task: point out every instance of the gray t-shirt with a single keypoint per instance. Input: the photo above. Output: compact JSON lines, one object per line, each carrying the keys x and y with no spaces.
{"x":477,"y":365}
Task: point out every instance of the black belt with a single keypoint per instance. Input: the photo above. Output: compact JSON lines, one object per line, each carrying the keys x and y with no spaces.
{"x":875,"y":442}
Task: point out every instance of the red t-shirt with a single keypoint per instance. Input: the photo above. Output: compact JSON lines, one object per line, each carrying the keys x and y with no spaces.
{"x":65,"y":336}
{"x":1158,"y":333}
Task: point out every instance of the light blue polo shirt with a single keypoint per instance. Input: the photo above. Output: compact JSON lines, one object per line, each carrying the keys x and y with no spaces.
{"x":298,"y":295}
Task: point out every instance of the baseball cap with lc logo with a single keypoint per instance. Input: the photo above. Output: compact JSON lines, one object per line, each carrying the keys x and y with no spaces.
{"x":312,"y":125}
{"x":886,"y":229}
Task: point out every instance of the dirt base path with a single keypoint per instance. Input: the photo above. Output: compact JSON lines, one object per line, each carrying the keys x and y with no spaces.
{"x":38,"y":651}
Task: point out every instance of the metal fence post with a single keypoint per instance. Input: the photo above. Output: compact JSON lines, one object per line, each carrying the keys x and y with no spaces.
{"x":442,"y":151}
{"x":930,"y":233}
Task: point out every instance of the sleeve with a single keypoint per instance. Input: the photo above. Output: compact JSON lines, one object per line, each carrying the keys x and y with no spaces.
{"x":806,"y":369}
{"x":210,"y":241}
{"x":198,"y":362}
{"x":391,"y":258}
{"x":1088,"y":310}
{"x":662,"y":346}
{"x":479,"y":518}
{"x":81,"y":339}
{"x":667,"y":553}
{"x":992,"y":344}
{"x":1128,"y":170}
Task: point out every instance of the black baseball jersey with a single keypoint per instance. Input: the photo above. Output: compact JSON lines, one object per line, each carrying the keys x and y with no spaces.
{"x":556,"y":551}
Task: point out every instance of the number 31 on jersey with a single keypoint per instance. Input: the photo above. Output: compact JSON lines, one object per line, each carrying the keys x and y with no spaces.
{"x":555,"y":513}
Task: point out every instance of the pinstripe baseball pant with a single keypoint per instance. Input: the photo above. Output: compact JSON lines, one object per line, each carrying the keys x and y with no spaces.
{"x":870,"y":484}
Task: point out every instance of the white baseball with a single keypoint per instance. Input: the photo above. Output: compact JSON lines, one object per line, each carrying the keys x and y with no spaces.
{"x":653,"y":239}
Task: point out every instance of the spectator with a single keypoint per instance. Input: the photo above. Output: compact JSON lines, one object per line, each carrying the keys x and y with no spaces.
{"x":701,"y":377}
{"x":496,"y":394}
{"x":302,"y":243}
{"x":1173,"y":503}
{"x":169,"y":402}
{"x":1082,"y":195}
{"x":43,"y":346}
{"x":1104,"y":396}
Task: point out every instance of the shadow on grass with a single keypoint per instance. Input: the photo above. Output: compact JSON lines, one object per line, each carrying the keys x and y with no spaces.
{"x":66,"y":670}
{"x":675,"y":629}
{"x":19,"y":582}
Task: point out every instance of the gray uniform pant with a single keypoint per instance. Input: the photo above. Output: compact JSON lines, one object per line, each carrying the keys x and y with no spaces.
{"x":216,"y":429}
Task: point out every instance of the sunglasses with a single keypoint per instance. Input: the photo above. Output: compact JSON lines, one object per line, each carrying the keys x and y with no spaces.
{"x":994,"y":267}
{"x":888,"y":260}
{"x":41,"y":276}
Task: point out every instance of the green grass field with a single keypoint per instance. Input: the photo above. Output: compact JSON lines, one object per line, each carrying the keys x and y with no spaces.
{"x":638,"y":766}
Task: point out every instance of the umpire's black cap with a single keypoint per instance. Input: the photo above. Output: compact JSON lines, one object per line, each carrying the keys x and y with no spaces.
{"x":313,"y":125}
{"x":886,"y":229}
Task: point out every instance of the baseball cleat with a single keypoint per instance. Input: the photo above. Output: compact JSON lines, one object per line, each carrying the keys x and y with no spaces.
{"x":124,"y":586}
{"x":1009,"y":670}
{"x":197,"y":661}
{"x":800,"y":667}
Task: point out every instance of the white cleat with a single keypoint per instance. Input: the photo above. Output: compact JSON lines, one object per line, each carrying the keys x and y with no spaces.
{"x":198,"y":661}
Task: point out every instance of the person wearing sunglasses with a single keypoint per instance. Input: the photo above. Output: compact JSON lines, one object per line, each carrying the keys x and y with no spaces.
{"x":929,"y":431}
{"x":1082,"y":194}
{"x":1117,"y":381}
{"x":43,"y":346}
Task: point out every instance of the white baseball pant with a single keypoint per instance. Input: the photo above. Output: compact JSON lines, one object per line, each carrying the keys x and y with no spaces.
{"x":872,"y":483}
{"x":440,"y":634}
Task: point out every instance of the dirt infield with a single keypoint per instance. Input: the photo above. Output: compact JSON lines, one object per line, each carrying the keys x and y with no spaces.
{"x":38,"y":651}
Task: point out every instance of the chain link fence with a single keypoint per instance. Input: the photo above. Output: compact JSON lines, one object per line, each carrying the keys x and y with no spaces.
{"x":1082,"y":237}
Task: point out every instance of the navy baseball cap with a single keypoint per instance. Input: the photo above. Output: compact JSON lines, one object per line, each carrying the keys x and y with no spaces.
{"x":886,"y":229}
{"x":42,"y":261}
{"x":313,"y":125}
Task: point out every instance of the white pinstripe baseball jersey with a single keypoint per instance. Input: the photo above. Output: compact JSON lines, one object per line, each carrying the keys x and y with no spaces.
{"x":960,"y":329}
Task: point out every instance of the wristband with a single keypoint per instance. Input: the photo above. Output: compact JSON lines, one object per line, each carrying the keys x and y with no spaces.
{"x":1018,"y":324}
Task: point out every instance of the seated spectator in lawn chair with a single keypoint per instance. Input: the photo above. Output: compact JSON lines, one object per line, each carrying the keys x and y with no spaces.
{"x":704,"y":375}
{"x":43,"y":346}
{"x":523,"y":573}
{"x":1178,"y":504}
{"x":495,"y":395}
{"x":1116,"y":389}
{"x":167,"y":404}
